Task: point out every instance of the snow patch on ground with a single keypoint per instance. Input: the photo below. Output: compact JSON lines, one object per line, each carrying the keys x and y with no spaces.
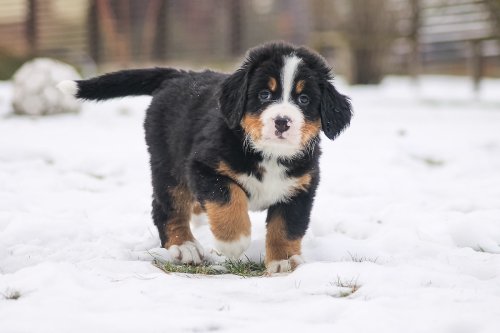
{"x":408,"y":210}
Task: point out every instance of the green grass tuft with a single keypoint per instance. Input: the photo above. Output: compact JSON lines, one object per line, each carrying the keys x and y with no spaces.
{"x":348,"y":287}
{"x":433,"y":162}
{"x":11,"y":294}
{"x":356,"y":258}
{"x":240,"y":267}
{"x":430,"y":161}
{"x":245,"y":267}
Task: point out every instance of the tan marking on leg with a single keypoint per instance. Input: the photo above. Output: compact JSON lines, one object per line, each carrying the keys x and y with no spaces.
{"x":278,"y":245}
{"x":230,"y":221}
{"x":226,"y":170}
{"x":299,"y":87}
{"x":309,"y":130}
{"x":252,"y":125}
{"x":272,"y":84}
{"x":303,"y":182}
{"x":177,"y":227}
{"x":178,"y":232}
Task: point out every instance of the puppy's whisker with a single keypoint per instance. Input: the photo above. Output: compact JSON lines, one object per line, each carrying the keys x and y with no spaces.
{"x":247,"y":143}
{"x":310,"y":146}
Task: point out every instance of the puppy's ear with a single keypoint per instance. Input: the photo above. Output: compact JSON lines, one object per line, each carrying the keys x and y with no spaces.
{"x":233,"y":97}
{"x":335,"y":111}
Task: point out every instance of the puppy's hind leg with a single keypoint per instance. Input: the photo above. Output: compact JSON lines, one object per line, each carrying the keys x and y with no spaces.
{"x":171,"y":215}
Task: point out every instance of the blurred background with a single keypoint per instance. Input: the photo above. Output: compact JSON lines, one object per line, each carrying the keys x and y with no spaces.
{"x":364,"y":39}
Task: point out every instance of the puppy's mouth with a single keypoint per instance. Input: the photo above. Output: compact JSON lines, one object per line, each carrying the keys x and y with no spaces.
{"x":279,"y":139}
{"x":279,"y":135}
{"x":278,"y":132}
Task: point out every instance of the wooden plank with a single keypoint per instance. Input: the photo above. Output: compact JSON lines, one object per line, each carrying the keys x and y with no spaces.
{"x":478,"y":16}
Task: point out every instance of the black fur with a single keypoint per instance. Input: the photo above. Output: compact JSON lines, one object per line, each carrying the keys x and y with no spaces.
{"x":193,"y":123}
{"x":335,"y":111}
{"x":133,"y":82}
{"x":233,"y":98}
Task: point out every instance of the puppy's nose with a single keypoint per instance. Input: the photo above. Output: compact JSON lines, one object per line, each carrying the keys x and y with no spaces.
{"x":281,"y":124}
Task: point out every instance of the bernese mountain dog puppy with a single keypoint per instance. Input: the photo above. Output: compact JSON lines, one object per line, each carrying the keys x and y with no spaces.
{"x":224,"y":144}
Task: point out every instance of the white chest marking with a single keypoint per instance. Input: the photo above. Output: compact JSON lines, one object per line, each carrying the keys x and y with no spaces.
{"x":275,"y":186}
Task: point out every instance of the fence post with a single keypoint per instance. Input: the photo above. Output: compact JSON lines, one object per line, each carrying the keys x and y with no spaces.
{"x":476,"y":63}
{"x":414,"y":65}
{"x":31,"y":27}
{"x":236,"y":16}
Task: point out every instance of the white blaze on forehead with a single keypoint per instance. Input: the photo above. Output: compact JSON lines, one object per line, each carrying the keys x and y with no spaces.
{"x":291,"y":63}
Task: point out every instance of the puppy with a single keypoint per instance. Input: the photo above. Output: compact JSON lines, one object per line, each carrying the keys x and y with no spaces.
{"x":225,"y":144}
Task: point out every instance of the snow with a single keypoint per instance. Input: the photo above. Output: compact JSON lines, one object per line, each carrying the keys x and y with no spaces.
{"x":35,"y":91}
{"x":408,"y":209}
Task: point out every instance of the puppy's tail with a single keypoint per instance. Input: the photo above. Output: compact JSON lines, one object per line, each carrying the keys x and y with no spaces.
{"x":133,"y":82}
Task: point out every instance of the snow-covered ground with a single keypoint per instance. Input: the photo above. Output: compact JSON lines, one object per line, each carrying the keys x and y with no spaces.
{"x":408,"y":209}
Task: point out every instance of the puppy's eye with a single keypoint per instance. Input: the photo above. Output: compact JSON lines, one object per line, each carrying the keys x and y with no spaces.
{"x":264,"y":95}
{"x":303,"y":99}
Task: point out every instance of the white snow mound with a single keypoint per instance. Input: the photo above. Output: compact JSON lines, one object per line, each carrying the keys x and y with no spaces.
{"x":35,"y":89}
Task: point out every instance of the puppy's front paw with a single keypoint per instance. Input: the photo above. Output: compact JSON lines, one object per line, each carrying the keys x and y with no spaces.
{"x":234,"y":249}
{"x":189,"y":252}
{"x":284,"y":266}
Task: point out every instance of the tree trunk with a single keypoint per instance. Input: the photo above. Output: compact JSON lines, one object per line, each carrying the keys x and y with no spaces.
{"x":370,"y":31}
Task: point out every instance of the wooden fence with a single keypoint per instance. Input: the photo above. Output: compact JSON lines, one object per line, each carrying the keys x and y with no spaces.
{"x":430,"y":36}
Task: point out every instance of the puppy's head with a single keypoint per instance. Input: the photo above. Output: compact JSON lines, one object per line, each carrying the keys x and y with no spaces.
{"x":282,"y":96}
